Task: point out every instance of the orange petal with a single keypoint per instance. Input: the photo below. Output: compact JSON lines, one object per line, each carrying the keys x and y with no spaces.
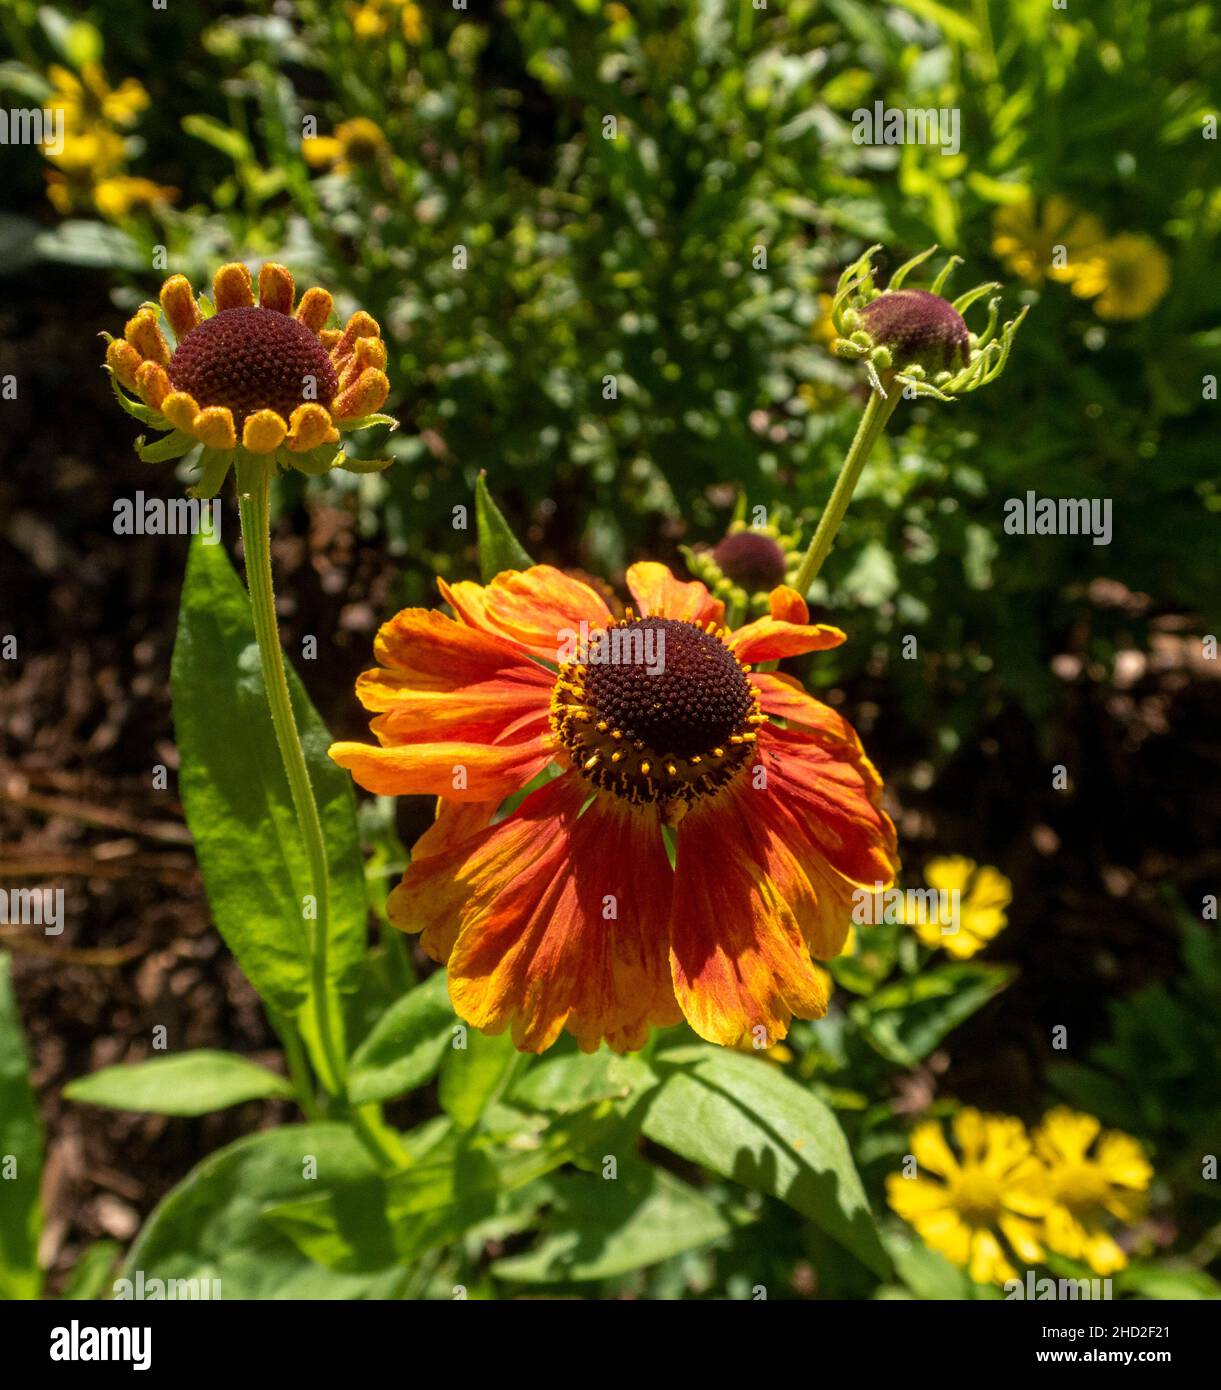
{"x":144,"y":333}
{"x":659,"y":595}
{"x":369,"y":352}
{"x":365,"y":395}
{"x":180,"y":409}
{"x":309,"y":426}
{"x":360,"y":325}
{"x":263,"y":432}
{"x":152,"y":383}
{"x":460,"y":771}
{"x":179,"y":306}
{"x":770,"y":638}
{"x":233,"y":287}
{"x":740,"y":964}
{"x":215,"y":427}
{"x":276,"y":287}
{"x":539,"y":609}
{"x":315,"y":308}
{"x":124,"y":361}
{"x":441,"y":679}
{"x":329,"y":337}
{"x":559,"y":920}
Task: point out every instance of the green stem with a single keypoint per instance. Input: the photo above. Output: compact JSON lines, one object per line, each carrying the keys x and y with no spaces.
{"x":878,"y":410}
{"x":254,"y":507}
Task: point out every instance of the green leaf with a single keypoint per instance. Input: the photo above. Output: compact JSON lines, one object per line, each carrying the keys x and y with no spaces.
{"x":499,"y":548}
{"x":472,"y":1077}
{"x":599,"y":1229}
{"x":1168,"y":1281}
{"x":91,"y":1272}
{"x":455,"y":1185}
{"x":237,"y":800}
{"x":746,"y":1120}
{"x":78,"y":242}
{"x":405,"y":1046}
{"x":192,"y":1083}
{"x":224,"y":138}
{"x":170,"y":446}
{"x":905,"y":1020}
{"x":211,"y":1225}
{"x":561,"y":1084}
{"x":20,"y":1155}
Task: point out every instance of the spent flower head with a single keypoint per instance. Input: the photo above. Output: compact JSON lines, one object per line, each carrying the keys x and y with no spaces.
{"x":915,"y":337}
{"x":250,"y":379}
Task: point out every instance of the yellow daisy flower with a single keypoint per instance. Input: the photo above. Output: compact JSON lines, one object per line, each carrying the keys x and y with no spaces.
{"x":1089,"y":1176}
{"x":1129,"y":274}
{"x":358,"y":141}
{"x":981,"y":893}
{"x":978,"y":1208}
{"x":90,"y":97}
{"x":1026,"y":241}
{"x":259,"y":378}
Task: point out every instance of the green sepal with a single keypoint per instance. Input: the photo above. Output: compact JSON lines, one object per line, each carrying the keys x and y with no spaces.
{"x":351,"y":465}
{"x":138,"y":411}
{"x":214,"y":465}
{"x":363,"y":422}
{"x":313,"y":462}
{"x":173,"y":446}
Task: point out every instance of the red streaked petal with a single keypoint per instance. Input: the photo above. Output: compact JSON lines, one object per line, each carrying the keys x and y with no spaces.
{"x":536,"y":949}
{"x":536,"y":608}
{"x":823,"y":799}
{"x":784,"y":697}
{"x":738,"y":959}
{"x":659,"y":595}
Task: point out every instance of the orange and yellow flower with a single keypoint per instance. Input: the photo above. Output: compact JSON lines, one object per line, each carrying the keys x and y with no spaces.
{"x":268,"y":378}
{"x":569,"y":912}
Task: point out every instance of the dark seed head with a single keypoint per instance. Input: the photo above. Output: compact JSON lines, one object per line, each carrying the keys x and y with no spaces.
{"x":919,"y":328}
{"x":750,"y":559}
{"x":253,"y":359}
{"x":693,"y":704}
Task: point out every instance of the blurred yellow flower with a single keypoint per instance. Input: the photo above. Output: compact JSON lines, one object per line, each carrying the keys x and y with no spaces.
{"x":413,"y":23}
{"x":357,"y":141}
{"x":118,"y":196}
{"x":1129,"y":274}
{"x":372,"y":19}
{"x":823,"y":329}
{"x":1052,"y":245}
{"x":979,"y":895}
{"x":977,"y":1208}
{"x":1084,"y":1182}
{"x":90,"y":97}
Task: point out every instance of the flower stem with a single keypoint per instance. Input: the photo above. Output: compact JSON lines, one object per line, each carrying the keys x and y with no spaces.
{"x":878,"y":410}
{"x":254,"y":507}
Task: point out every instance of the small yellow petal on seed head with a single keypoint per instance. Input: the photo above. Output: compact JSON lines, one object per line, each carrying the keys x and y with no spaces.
{"x":180,"y":409}
{"x":124,"y":361}
{"x":310,"y":426}
{"x":233,"y":287}
{"x":276,"y":288}
{"x":144,"y":334}
{"x":365,"y":395}
{"x":263,"y":432}
{"x":315,"y":308}
{"x":329,"y":337}
{"x":214,"y":426}
{"x":179,"y":306}
{"x":152,"y":383}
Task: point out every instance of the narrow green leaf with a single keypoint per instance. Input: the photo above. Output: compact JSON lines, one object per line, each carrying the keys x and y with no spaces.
{"x":748,"y":1121}
{"x":499,"y":548}
{"x":191,"y":1083}
{"x":21,"y":1149}
{"x":405,"y":1046}
{"x":472,"y":1077}
{"x":89,"y":1279}
{"x":237,"y":800}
